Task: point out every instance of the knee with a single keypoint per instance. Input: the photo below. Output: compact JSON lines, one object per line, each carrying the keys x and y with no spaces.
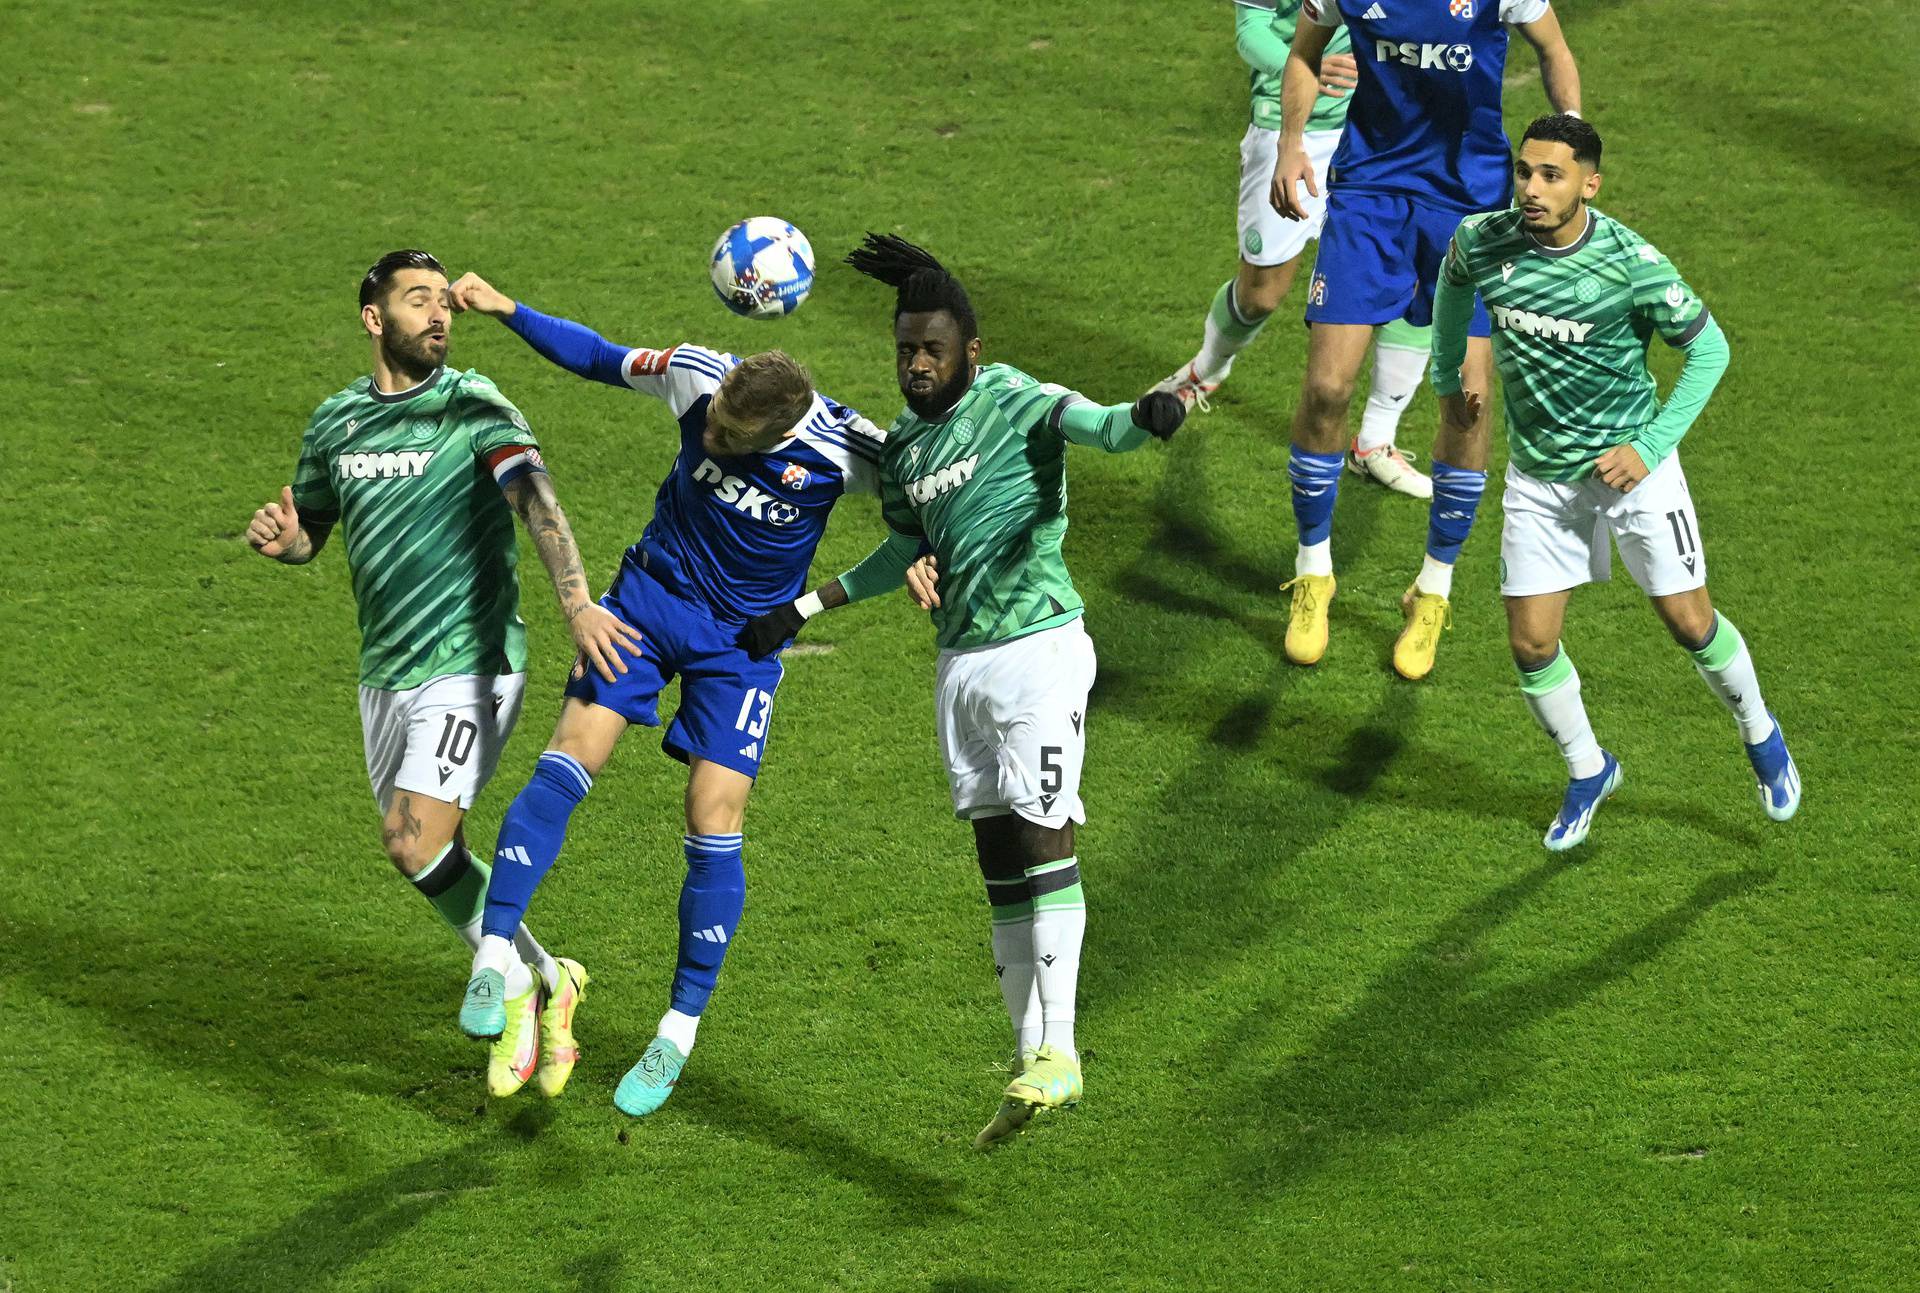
{"x":1690,"y":624}
{"x":1531,"y":650}
{"x":715,"y":811}
{"x":410,"y":854}
{"x":1261,"y":289}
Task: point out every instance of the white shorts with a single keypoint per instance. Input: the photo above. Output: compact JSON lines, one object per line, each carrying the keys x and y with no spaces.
{"x":1266,"y":236}
{"x":1012,"y":723}
{"x":441,"y":739}
{"x":1556,"y":534}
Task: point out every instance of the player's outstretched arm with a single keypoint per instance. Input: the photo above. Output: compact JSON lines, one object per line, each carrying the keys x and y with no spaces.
{"x":1298,"y":89}
{"x":880,"y":571}
{"x":276,"y":531}
{"x":598,"y":633}
{"x":1120,"y":427}
{"x":1559,"y":74}
{"x":573,"y":346}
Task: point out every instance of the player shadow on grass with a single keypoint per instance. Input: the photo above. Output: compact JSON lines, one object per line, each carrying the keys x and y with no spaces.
{"x":1427,"y":1044}
{"x":911,"y":1197}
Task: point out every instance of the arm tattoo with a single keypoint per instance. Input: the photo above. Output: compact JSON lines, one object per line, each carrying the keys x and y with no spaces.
{"x":552,"y":538}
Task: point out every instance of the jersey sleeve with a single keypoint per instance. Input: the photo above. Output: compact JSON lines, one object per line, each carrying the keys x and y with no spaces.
{"x":499,"y":433}
{"x":1522,"y":11}
{"x":313,"y":494}
{"x":854,"y":443}
{"x":1325,"y":13}
{"x":895,"y":510}
{"x":1662,"y":301}
{"x":681,"y":375}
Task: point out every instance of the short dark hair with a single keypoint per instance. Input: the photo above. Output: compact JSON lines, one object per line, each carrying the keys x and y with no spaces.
{"x":1574,"y":132}
{"x":374,"y":286}
{"x":921,"y":284}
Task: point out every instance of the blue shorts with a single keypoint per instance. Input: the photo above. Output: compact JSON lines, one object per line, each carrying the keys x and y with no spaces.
{"x":726,"y":696}
{"x":1379,"y":257}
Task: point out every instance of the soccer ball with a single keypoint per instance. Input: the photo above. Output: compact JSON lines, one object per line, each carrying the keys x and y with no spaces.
{"x":762,"y":268}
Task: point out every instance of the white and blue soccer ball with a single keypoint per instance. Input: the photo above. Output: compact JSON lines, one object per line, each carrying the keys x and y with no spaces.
{"x":762,"y":268}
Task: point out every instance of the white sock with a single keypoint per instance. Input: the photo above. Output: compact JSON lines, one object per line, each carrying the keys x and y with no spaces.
{"x":536,"y":957}
{"x":1733,"y":680}
{"x":1059,"y":926}
{"x":1225,"y":335}
{"x":1553,"y":694}
{"x":679,"y":1029}
{"x":1434,"y":577}
{"x":1314,"y":558}
{"x":1397,"y":373}
{"x":498,"y":954}
{"x":1013,"y":964}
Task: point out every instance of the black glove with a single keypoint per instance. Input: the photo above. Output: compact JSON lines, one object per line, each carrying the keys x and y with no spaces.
{"x":1160,"y":413}
{"x":762,"y":635}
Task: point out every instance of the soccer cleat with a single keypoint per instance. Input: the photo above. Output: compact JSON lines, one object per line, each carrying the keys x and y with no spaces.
{"x":1193,"y":389}
{"x":1428,"y":616}
{"x":1584,"y":797}
{"x":1052,"y":1081}
{"x":1779,"y":778}
{"x":483,"y":1013}
{"x":1390,"y":467}
{"x":1012,"y":1116}
{"x":511,"y":1058}
{"x":648,"y":1083}
{"x":558,"y":1051}
{"x":1307,"y":618}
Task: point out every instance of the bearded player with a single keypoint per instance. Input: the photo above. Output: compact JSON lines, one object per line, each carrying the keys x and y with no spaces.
{"x":1271,"y":247}
{"x":1575,"y":297}
{"x":426,"y":467}
{"x":1423,"y":147}
{"x":975,"y":470}
{"x":762,"y":460}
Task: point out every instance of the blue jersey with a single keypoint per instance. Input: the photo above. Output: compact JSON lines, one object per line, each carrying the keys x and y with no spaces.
{"x":1425,"y":119}
{"x":736,"y":534}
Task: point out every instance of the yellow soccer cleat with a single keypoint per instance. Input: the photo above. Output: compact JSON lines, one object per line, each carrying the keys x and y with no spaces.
{"x":1052,"y":1081}
{"x":558,"y":1051}
{"x":511,"y":1057}
{"x":1307,"y":620}
{"x":1013,"y":1116}
{"x":1428,"y":616}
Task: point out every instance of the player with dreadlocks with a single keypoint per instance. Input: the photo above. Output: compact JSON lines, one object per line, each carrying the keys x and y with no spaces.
{"x":975,"y":470}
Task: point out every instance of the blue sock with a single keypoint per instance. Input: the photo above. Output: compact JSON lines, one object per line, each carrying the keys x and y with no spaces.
{"x":530,"y":839}
{"x":711,"y":899}
{"x":1456,"y":497}
{"x":1316,"y":483}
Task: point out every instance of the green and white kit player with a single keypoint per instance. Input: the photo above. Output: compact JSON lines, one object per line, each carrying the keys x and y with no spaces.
{"x":1575,"y":297}
{"x":425,"y":468}
{"x":974,"y":471}
{"x":1271,"y":246}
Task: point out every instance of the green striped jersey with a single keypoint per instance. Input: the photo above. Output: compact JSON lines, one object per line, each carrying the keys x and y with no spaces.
{"x":412,"y":479}
{"x":986,"y":486}
{"x":1329,"y":110}
{"x":1570,"y":332}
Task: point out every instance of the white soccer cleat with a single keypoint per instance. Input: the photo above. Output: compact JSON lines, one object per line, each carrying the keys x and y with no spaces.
{"x":1389,"y":467}
{"x":1191,"y":388}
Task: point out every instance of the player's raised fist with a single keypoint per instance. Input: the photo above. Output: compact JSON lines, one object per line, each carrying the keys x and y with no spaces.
{"x":1159,"y":412}
{"x":276,"y":526}
{"x":471,"y":292}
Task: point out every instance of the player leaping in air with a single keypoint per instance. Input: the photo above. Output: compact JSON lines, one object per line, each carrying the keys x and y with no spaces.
{"x":1423,"y":147}
{"x":975,"y":467}
{"x":426,"y":467}
{"x":1575,"y":297}
{"x":762,"y":460}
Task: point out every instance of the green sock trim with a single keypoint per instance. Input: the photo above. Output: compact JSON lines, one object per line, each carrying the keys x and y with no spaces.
{"x":1557,"y":673}
{"x":1721,"y":647}
{"x":463,"y":902}
{"x":1014,"y":912}
{"x":1401,"y":335}
{"x":1228,"y":320}
{"x":1068,"y":899}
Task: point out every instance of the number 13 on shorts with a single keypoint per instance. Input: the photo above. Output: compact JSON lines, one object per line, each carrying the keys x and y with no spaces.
{"x":755,"y":708}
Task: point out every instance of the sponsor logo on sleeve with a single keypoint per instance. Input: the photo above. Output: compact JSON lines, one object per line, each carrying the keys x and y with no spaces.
{"x":648,"y":363}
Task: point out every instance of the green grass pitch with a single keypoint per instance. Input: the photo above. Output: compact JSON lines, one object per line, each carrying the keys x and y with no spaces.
{"x":1347,"y":1025}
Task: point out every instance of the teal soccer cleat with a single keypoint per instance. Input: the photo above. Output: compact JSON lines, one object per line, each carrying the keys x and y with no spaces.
{"x":483,"y":1013}
{"x":648,"y":1084}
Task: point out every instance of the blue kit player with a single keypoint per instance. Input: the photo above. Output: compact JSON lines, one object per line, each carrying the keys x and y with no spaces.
{"x":1423,"y":148}
{"x":762,"y":460}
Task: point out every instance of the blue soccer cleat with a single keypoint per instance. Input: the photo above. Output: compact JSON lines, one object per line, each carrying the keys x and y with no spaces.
{"x":1779,"y":778}
{"x":1584,"y":797}
{"x":483,"y":1012}
{"x":648,"y":1084}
